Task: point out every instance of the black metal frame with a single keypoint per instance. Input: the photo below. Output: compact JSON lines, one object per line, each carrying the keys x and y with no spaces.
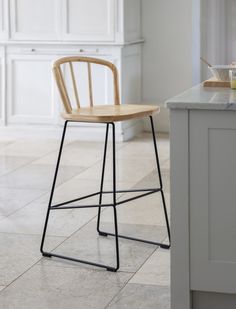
{"x":143,"y":192}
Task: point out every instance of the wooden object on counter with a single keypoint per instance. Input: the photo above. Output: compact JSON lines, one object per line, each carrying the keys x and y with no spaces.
{"x":215,"y":83}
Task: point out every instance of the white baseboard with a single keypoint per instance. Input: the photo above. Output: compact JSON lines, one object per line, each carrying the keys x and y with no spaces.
{"x":83,"y":132}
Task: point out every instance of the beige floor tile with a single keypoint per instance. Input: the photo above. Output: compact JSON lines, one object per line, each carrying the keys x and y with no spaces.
{"x":2,"y":287}
{"x":86,"y":244}
{"x":5,"y":142}
{"x":152,"y":178}
{"x":144,"y":211}
{"x":76,"y":187}
{"x":78,"y":153}
{"x":19,"y":253}
{"x":60,"y":288}
{"x":30,"y":220}
{"x":139,"y":296}
{"x":129,"y":170}
{"x":13,"y":199}
{"x":166,"y":165}
{"x":70,"y":159}
{"x":30,"y":148}
{"x":145,"y":150}
{"x":10,"y":163}
{"x":37,"y":176}
{"x":156,"y":270}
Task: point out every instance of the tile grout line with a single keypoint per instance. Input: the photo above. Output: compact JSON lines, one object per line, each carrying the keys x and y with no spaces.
{"x":106,"y":307}
{"x":28,"y":163}
{"x":27,"y":204}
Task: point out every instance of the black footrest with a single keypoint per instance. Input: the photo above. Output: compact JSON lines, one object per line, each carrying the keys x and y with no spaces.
{"x":111,"y":269}
{"x":102,"y":234}
{"x":46,"y":254}
{"x":165,"y":246}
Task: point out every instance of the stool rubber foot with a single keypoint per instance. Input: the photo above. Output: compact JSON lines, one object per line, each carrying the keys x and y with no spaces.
{"x":165,"y":246}
{"x":102,"y":234}
{"x":47,"y":254}
{"x":111,"y":269}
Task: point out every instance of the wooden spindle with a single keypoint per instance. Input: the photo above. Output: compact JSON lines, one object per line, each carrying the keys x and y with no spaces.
{"x":62,"y":88}
{"x":90,"y":85}
{"x":74,"y":84}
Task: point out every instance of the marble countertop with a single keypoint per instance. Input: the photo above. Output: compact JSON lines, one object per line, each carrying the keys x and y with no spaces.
{"x":200,"y":97}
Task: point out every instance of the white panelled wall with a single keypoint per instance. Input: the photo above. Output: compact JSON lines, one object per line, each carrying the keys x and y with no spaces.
{"x":167,"y":53}
{"x":35,"y":33}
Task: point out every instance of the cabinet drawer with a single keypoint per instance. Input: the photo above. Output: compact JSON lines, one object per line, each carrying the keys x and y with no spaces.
{"x":30,"y":89}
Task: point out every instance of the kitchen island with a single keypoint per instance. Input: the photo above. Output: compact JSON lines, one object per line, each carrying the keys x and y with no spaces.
{"x":203,"y":198}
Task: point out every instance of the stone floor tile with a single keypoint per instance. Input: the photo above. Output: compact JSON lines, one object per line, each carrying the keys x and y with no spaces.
{"x":156,"y":270}
{"x":12,"y":200}
{"x":30,"y":147}
{"x":18,"y":253}
{"x":147,"y":210}
{"x":10,"y":163}
{"x":37,"y":176}
{"x":30,"y":220}
{"x":152,"y":178}
{"x":76,"y":187}
{"x":86,"y":244}
{"x":129,"y":170}
{"x":139,"y":296}
{"x":60,"y":288}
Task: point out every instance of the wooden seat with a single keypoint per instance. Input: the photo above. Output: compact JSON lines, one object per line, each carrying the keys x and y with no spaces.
{"x":110,"y":113}
{"x":107,"y":114}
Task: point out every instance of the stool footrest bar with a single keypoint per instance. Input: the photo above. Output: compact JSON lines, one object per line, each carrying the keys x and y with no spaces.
{"x":61,"y":205}
{"x":164,"y":246}
{"x":132,"y":190}
{"x":75,"y":200}
{"x":49,"y":254}
{"x":81,"y":206}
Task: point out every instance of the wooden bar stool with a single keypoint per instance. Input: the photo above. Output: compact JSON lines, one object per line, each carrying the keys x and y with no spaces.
{"x":109,"y":115}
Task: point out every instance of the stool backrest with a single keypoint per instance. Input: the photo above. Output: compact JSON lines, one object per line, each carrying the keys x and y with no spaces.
{"x":60,"y":80}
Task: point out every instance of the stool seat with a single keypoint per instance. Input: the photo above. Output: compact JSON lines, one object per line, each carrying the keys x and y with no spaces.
{"x":110,"y":113}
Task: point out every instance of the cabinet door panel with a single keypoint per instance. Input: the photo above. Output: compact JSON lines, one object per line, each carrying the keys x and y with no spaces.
{"x":3,"y":19}
{"x":89,"y":20}
{"x":2,"y":93}
{"x":34,"y":20}
{"x":212,"y":201}
{"x":30,"y":89}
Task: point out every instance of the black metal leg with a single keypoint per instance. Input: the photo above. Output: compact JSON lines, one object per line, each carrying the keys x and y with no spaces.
{"x":114,"y":201}
{"x":114,"y":195}
{"x":102,"y":180}
{"x":50,"y":207}
{"x":165,"y":246}
{"x":52,"y":191}
{"x":161,"y":185}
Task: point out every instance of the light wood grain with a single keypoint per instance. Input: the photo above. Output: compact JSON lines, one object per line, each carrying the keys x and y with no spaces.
{"x":74,"y":84}
{"x":97,"y":113}
{"x":110,"y":113}
{"x":215,"y":83}
{"x":90,"y":84}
